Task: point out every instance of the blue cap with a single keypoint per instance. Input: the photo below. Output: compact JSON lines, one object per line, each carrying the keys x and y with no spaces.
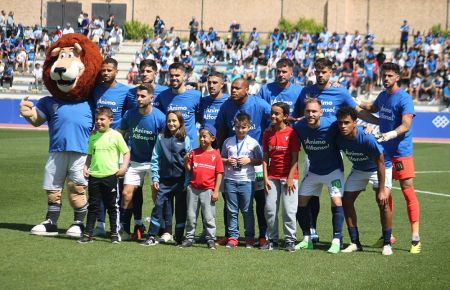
{"x":211,"y":129}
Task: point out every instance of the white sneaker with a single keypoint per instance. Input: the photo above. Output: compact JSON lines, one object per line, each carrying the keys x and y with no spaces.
{"x":75,"y":230}
{"x":46,"y":228}
{"x":387,"y":250}
{"x":352,"y":248}
{"x":99,"y":231}
{"x":165,"y":238}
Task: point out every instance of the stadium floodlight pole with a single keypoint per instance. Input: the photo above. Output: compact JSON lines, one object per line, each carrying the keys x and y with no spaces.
{"x":368,"y":16}
{"x":201,"y":18}
{"x":282,"y":8}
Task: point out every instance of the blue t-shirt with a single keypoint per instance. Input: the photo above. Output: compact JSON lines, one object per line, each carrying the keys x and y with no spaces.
{"x":144,"y":130}
{"x":116,"y":98}
{"x":69,"y":124}
{"x":132,"y":94}
{"x":258,"y":109}
{"x":273,"y":93}
{"x":391,"y":109}
{"x":209,"y":108}
{"x":332,"y":100}
{"x":320,"y":145}
{"x":187,"y":103}
{"x":362,"y":150}
{"x":369,"y":68}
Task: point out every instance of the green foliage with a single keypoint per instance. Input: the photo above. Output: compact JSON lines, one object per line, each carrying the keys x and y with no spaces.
{"x":136,"y":30}
{"x":302,"y":24}
{"x":438,"y":29}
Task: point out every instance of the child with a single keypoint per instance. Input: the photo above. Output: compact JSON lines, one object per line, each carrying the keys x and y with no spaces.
{"x":206,"y":167}
{"x":240,"y":154}
{"x":102,"y":168}
{"x":168,"y":177}
{"x":281,"y":146}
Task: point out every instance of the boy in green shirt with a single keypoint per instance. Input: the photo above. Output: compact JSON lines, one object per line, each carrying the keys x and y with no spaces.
{"x":102,"y":169}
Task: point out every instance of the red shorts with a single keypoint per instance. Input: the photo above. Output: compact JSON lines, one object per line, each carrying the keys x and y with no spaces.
{"x":403,"y":167}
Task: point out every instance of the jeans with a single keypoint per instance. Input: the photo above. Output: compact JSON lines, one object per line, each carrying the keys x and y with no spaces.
{"x":240,"y":197}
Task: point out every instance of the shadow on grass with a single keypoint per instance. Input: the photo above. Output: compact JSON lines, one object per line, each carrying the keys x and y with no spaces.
{"x":16,"y":227}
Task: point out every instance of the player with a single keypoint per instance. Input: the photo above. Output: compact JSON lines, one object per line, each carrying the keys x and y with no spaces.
{"x":210,"y":105}
{"x":396,"y":111}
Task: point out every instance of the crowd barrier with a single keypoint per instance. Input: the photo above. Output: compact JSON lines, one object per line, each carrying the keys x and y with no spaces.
{"x":426,"y":125}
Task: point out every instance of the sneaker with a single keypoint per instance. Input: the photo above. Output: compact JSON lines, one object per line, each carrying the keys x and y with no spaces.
{"x":187,"y":243}
{"x":315,"y":238}
{"x":352,"y":248}
{"x":138,"y":232}
{"x":380,"y":242}
{"x":222,"y":242}
{"x":75,"y":230}
{"x":232,"y":243}
{"x":46,"y":228}
{"x":99,"y":231}
{"x":335,"y":247}
{"x":290,"y":247}
{"x":269,"y":246}
{"x":150,"y":241}
{"x":211,"y":244}
{"x":304,"y":245}
{"x":416,"y":248}
{"x":115,"y":238}
{"x":387,"y":250}
{"x":165,"y":238}
{"x":249,"y":244}
{"x":261,"y":242}
{"x":85,"y":239}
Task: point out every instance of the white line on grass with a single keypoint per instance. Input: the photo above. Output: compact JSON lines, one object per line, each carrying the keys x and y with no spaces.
{"x":445,"y":171}
{"x":427,"y":192}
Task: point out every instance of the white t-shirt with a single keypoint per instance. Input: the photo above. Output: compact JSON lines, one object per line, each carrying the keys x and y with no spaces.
{"x":248,"y":147}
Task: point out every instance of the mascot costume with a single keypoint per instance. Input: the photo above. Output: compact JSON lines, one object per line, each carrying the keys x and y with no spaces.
{"x":70,"y":71}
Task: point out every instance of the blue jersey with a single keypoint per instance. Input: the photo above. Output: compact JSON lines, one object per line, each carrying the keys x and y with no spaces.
{"x":69,"y":124}
{"x":369,"y":68}
{"x":132,"y":94}
{"x":259,"y":111}
{"x":209,"y":108}
{"x":362,"y":150}
{"x":273,"y":93}
{"x":391,"y":109}
{"x":332,"y":100}
{"x":143,"y":130}
{"x":116,"y":98}
{"x":320,"y":145}
{"x":187,"y":103}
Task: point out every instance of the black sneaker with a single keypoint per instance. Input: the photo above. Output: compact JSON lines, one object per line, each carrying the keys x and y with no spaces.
{"x":150,"y":241}
{"x":85,"y":239}
{"x":290,"y":247}
{"x":115,"y":239}
{"x":211,"y":244}
{"x":187,"y":243}
{"x":269,"y":246}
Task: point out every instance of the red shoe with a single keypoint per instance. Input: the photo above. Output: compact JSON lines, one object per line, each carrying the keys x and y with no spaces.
{"x":262,"y":242}
{"x":222,"y":242}
{"x":232,"y":243}
{"x":249,"y":244}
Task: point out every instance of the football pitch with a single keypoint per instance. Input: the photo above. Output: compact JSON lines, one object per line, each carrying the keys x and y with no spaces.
{"x":33,"y":262}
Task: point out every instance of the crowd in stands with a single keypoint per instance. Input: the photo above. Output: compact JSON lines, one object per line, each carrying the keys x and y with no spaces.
{"x":425,"y":64}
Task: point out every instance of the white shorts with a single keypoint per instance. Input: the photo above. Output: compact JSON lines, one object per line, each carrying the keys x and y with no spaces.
{"x":62,"y":165}
{"x":312,"y":184}
{"x":357,"y":180}
{"x":136,"y":173}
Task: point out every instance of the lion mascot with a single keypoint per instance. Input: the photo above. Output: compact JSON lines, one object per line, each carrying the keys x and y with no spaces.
{"x":70,"y":71}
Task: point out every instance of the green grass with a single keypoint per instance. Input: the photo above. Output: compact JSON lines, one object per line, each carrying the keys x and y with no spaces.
{"x":34,"y":262}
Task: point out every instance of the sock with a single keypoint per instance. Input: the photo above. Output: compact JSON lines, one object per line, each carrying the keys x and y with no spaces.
{"x":304,"y":219}
{"x":314,"y":204}
{"x":412,"y":204}
{"x":338,"y":220}
{"x":138,"y":200}
{"x":53,"y":212}
{"x":80,"y":213}
{"x":354,"y":235}
{"x":387,"y":236}
{"x":125,"y":219}
{"x":415,"y":239}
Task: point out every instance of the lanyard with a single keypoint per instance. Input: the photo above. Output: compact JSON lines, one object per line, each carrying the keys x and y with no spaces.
{"x":238,"y":150}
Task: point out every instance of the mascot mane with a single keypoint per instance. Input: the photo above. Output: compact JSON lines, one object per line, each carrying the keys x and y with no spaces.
{"x":91,"y":59}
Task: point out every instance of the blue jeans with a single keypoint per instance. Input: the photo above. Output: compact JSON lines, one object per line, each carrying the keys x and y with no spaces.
{"x":240,"y":197}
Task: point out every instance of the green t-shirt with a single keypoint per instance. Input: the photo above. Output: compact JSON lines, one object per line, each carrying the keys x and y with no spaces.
{"x":105,"y":149}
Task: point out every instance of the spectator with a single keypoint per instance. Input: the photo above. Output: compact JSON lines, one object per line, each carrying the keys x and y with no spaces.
{"x":235,"y":29}
{"x":427,"y":88}
{"x":158,"y":24}
{"x":37,"y":74}
{"x":447,"y":96}
{"x":68,"y":29}
{"x":193,"y":29}
{"x":7,"y":76}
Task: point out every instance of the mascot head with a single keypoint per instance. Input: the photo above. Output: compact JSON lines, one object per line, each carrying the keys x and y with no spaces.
{"x":71,"y":67}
